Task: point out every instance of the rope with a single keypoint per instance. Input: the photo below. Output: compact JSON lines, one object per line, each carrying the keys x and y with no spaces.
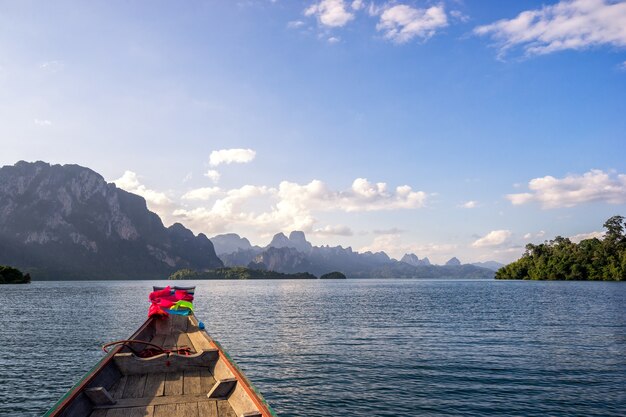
{"x":153,"y":350}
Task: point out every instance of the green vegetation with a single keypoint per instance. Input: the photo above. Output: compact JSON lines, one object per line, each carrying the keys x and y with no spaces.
{"x":10,"y":275}
{"x":561,"y":259}
{"x":237,"y":273}
{"x":333,"y":275}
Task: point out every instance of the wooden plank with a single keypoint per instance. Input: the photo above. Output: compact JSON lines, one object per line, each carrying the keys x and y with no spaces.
{"x":207,"y":409}
{"x":206,"y":380}
{"x":184,"y":342}
{"x":99,"y":395}
{"x":159,"y":339}
{"x":155,"y":385}
{"x":157,"y":401}
{"x":192,"y":383}
{"x":129,"y":364}
{"x":128,"y":412}
{"x":165,"y":410}
{"x":179,"y":323}
{"x":224,"y":409}
{"x":99,"y":413}
{"x":174,"y":383}
{"x":222,"y":388}
{"x":199,"y":341}
{"x":135,"y":385}
{"x":117,"y":390}
{"x":170,"y":341}
{"x":163,"y":325}
{"x":187,"y":410}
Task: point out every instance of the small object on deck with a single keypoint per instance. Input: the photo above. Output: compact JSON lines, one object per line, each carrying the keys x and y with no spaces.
{"x":222,"y":388}
{"x":200,"y":325}
{"x":99,"y":396}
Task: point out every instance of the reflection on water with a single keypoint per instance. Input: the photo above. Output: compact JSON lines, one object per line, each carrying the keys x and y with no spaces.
{"x":355,"y":347}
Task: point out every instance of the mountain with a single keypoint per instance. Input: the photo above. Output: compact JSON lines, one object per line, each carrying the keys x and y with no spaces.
{"x":67,"y":222}
{"x":295,"y":254}
{"x":229,"y":243}
{"x":453,"y":262}
{"x":412,"y":259}
{"x":493,"y":265}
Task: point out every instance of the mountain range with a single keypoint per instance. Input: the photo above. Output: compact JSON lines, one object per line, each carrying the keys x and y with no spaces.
{"x":293,"y":253}
{"x":67,"y":222}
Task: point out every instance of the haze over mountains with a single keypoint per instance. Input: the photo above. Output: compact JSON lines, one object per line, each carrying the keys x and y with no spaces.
{"x":67,"y":222}
{"x":294,"y":253}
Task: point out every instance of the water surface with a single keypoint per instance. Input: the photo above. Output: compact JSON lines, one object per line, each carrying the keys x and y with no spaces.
{"x":354,"y":347}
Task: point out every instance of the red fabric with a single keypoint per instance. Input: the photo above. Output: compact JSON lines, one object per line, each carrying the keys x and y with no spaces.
{"x":164,"y":299}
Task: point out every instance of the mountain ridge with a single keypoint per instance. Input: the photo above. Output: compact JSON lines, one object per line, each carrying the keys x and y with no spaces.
{"x":67,"y":222}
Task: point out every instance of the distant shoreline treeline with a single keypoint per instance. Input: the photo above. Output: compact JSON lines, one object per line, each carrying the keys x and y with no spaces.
{"x":10,"y":275}
{"x":237,"y":273}
{"x":561,"y":259}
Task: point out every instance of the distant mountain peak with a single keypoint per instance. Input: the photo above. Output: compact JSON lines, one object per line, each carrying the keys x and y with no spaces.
{"x":454,"y":261}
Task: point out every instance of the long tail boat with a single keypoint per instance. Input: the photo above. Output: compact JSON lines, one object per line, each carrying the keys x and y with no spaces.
{"x":169,"y":367}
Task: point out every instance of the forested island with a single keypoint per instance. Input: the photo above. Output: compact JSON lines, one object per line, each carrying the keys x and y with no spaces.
{"x":561,"y":259}
{"x":237,"y":273}
{"x":333,"y":275}
{"x":10,"y":275}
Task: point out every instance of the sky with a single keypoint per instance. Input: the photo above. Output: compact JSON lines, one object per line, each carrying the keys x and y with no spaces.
{"x":440,"y":128}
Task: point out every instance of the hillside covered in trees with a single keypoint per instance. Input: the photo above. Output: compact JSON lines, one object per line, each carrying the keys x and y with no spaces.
{"x":561,"y":259}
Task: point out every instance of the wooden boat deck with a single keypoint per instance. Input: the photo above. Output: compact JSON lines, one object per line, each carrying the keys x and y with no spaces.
{"x":169,"y":394}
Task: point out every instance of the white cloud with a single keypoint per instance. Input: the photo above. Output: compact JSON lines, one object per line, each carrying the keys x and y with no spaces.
{"x":295,"y":24}
{"x":572,"y":190}
{"x":338,"y":230}
{"x":470,"y":204}
{"x":331,"y":13}
{"x":459,"y":15}
{"x":539,"y":234}
{"x":201,"y":194}
{"x":187,"y":177}
{"x":576,"y":24}
{"x":43,"y":122}
{"x":213,"y":175}
{"x":357,"y":5}
{"x":493,"y":238}
{"x":156,"y":201}
{"x":52,"y":66}
{"x":583,"y":236}
{"x":229,"y":156}
{"x":333,"y":39}
{"x":622,"y":66}
{"x":292,"y":205}
{"x":402,"y":23}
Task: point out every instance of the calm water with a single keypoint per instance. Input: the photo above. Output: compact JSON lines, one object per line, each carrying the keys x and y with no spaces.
{"x":356,"y":347}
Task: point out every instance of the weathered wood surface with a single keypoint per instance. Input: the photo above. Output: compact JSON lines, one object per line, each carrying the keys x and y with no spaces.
{"x":130,"y":364}
{"x":222,"y":388}
{"x":99,"y":396}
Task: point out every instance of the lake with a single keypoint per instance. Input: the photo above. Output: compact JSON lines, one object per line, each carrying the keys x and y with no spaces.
{"x":351,"y":347}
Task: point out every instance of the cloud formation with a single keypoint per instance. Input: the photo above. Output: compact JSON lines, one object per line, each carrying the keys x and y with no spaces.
{"x":213,"y":175}
{"x":582,"y":236}
{"x":576,"y":24}
{"x":402,"y":23}
{"x":331,"y":13}
{"x":156,"y":201}
{"x":292,"y":205}
{"x":229,"y":156}
{"x":201,"y":194}
{"x":470,"y":204}
{"x":593,"y":186}
{"x":493,"y":238}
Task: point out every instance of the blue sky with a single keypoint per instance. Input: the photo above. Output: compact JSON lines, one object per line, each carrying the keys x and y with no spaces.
{"x":491,"y":124}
